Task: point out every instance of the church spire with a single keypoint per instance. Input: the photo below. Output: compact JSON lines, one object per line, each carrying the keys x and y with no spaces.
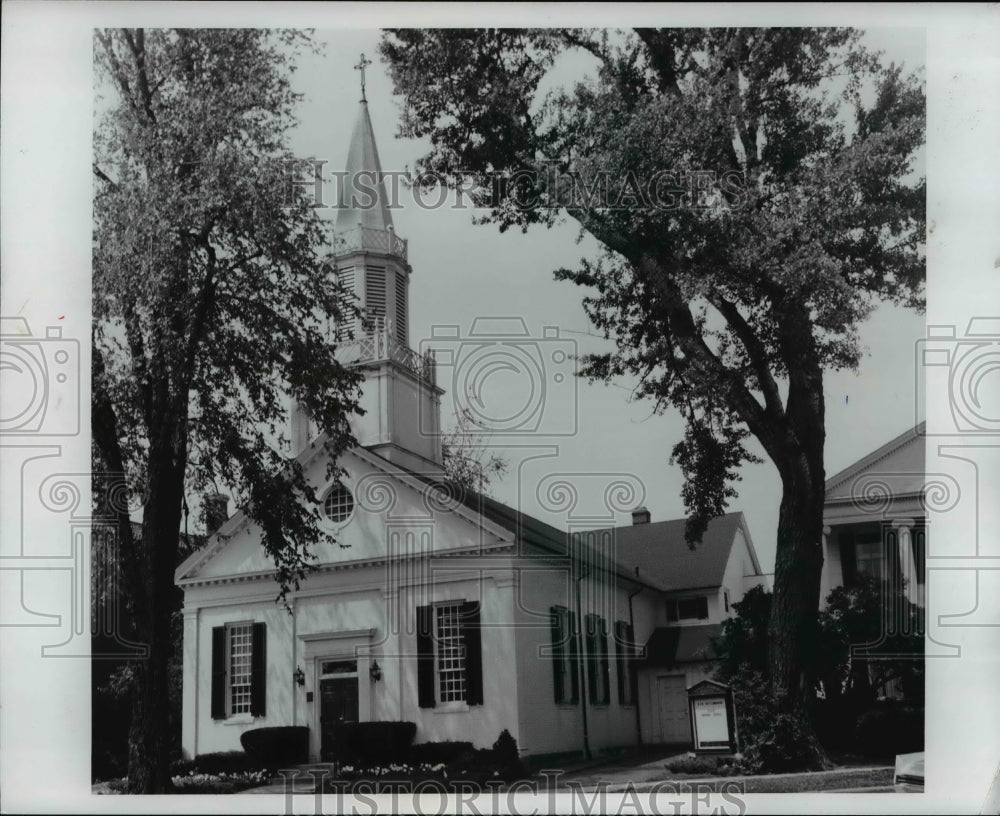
{"x":363,"y":199}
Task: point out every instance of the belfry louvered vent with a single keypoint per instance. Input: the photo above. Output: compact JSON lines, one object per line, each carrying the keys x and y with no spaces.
{"x":401,"y":307}
{"x":345,"y":277}
{"x":375,"y":293}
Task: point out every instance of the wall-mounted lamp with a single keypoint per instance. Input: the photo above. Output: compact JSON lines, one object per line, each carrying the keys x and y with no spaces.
{"x":300,"y":676}
{"x":375,"y":671}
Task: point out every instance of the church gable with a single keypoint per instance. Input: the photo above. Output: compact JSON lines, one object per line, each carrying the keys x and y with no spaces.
{"x":376,"y":510}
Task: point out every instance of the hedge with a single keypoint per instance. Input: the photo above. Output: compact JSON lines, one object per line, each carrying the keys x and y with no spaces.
{"x":370,"y":743}
{"x":279,"y":746}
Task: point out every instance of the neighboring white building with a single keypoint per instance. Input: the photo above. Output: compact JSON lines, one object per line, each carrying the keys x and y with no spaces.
{"x":455,"y":612}
{"x":875,"y":520}
{"x":875,"y":523}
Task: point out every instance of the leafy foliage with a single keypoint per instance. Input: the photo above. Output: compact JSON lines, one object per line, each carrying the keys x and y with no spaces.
{"x":212,"y":304}
{"x":743,"y":643}
{"x":756,"y":194}
{"x":772,"y":740}
{"x":467,"y":463}
{"x":890,"y":729}
{"x":871,"y":634}
{"x":862,"y":616}
{"x":211,"y":297}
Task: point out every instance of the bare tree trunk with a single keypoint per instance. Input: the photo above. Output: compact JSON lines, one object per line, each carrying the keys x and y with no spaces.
{"x":793,"y":631}
{"x":149,"y":735}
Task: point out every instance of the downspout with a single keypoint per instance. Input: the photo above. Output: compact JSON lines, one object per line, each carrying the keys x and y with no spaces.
{"x":635,"y":681}
{"x":295,"y":662}
{"x":579,"y":667}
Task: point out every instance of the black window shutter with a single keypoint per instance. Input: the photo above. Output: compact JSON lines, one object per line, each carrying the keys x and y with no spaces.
{"x":558,"y":650}
{"x":620,"y":659}
{"x":602,"y":633}
{"x":633,"y":689}
{"x":591,"y":658}
{"x":258,"y":671}
{"x":219,"y":673}
{"x":425,"y":657}
{"x":472,"y":639}
{"x":574,"y":653}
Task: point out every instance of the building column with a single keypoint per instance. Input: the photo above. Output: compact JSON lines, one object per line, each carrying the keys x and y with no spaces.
{"x":189,"y":695}
{"x":825,"y":576}
{"x":907,"y":564}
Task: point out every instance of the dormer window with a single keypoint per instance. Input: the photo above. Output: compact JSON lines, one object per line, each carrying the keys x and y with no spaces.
{"x":338,"y":504}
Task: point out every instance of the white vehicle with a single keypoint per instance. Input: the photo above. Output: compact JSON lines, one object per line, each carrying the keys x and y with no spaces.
{"x":909,"y":774}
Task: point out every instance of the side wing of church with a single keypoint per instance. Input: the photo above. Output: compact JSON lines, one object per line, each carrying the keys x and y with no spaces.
{"x":445,"y":609}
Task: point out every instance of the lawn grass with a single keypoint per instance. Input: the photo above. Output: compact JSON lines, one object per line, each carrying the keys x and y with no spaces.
{"x":788,"y":783}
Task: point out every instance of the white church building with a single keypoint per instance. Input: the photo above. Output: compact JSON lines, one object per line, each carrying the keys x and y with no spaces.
{"x":454,"y":612}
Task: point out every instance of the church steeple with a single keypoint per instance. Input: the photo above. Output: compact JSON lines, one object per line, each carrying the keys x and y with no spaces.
{"x":400,"y":397}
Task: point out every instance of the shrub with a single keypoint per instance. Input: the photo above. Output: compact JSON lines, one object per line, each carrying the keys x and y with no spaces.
{"x":890,"y":729}
{"x":771,"y":740}
{"x":373,"y":743}
{"x":505,"y":748}
{"x":506,"y":756}
{"x":705,"y":764}
{"x":277,"y":746}
{"x":783,"y":745}
{"x":436,"y":752}
{"x":221,"y":762}
{"x":836,"y":721}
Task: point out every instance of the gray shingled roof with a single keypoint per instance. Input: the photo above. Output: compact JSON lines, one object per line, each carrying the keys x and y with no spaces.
{"x":658,"y":549}
{"x":663,"y":556}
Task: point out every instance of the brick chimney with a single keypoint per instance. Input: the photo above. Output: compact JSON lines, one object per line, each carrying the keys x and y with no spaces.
{"x":215,"y":511}
{"x":640,"y":515}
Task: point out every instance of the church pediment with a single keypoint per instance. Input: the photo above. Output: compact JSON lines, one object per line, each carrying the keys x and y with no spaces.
{"x":382,"y":511}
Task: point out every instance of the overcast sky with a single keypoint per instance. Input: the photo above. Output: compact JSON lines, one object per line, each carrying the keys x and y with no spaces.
{"x":462,"y":272}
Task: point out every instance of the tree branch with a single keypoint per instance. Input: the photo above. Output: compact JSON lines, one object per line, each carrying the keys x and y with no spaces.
{"x":662,"y":55}
{"x":755,"y":351}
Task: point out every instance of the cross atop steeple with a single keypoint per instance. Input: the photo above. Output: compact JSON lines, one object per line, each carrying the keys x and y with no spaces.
{"x":364,"y":63}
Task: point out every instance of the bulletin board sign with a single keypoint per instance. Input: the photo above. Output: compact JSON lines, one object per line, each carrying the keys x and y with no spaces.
{"x":713,"y":718}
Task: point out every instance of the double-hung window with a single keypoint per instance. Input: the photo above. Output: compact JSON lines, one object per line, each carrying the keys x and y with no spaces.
{"x":449,"y":654}
{"x":239,"y":670}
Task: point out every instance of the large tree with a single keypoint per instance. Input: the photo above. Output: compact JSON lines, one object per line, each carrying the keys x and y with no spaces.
{"x":211,"y":301}
{"x":754,"y":194}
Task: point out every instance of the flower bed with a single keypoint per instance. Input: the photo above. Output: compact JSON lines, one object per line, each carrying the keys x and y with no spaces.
{"x":195,"y":782}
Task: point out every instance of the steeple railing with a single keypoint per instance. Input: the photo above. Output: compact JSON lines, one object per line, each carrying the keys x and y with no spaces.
{"x":380,"y":344}
{"x":370,"y":239}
